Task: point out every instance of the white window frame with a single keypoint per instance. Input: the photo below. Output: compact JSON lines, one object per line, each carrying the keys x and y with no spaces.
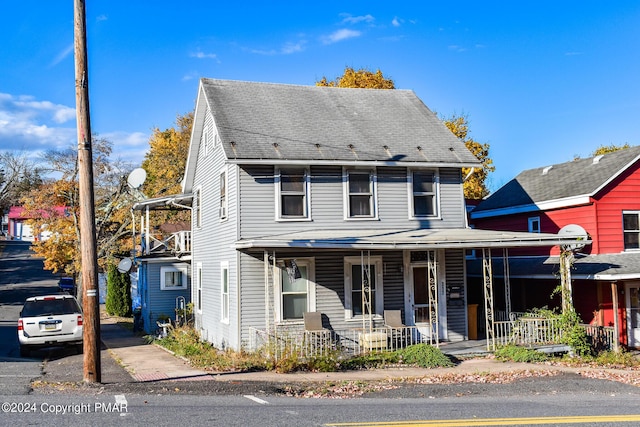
{"x":306,"y":204}
{"x":624,"y":231}
{"x":310,"y":264}
{"x":198,"y":290}
{"x":532,"y":221}
{"x":197,"y":209}
{"x":180,"y":271}
{"x":435,"y":193}
{"x":373,"y":187}
{"x":223,"y":209}
{"x":224,"y":295}
{"x":206,"y":141}
{"x":349,"y":262}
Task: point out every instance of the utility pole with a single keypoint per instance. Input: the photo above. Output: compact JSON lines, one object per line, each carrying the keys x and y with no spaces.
{"x":89,"y":259}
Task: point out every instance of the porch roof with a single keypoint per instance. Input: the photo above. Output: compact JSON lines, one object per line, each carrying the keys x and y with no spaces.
{"x":463,"y":238}
{"x":165,"y":202}
{"x":609,"y":267}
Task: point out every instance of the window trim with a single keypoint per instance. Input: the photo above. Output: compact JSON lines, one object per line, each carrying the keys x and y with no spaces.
{"x":223,"y":207}
{"x":624,"y":231}
{"x":198,"y":290}
{"x":373,"y":187}
{"x":224,"y":296}
{"x":350,"y":261}
{"x":172,"y":269}
{"x":306,"y":204}
{"x":436,"y":193}
{"x":532,"y":220}
{"x":197,"y":209}
{"x":310,"y":263}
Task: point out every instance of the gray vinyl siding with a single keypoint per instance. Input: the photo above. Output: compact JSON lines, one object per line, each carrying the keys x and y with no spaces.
{"x":212,"y":244}
{"x":456,"y":307}
{"x":258,"y":202}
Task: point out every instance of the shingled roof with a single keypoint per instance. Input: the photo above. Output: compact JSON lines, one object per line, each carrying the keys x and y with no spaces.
{"x":557,"y":183}
{"x":280,"y":122}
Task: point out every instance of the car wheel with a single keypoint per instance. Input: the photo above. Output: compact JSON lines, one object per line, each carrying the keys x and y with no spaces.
{"x":24,"y":351}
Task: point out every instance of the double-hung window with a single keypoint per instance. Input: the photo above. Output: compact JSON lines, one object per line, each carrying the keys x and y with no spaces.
{"x":199,"y":287}
{"x":297,"y":289}
{"x":424,"y":193}
{"x":224,"y":288}
{"x":197,"y":209}
{"x":173,"y":278}
{"x":292,"y":189}
{"x":223,"y":195}
{"x":631,"y":230}
{"x":363,"y":286}
{"x":360,"y":194}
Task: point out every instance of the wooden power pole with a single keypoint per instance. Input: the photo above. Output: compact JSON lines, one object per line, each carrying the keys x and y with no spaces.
{"x":89,"y":259}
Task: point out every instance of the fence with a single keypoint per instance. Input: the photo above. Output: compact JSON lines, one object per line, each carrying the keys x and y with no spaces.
{"x":287,"y":341}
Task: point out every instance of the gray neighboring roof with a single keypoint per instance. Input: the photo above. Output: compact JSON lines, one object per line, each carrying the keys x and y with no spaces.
{"x":416,"y":239}
{"x":570,"y":180}
{"x":320,"y":123}
{"x":622,"y":266}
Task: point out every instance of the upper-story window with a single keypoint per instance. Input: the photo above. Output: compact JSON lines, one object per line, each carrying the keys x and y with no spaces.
{"x":197,"y":209}
{"x":424,"y":193}
{"x":360,"y":194}
{"x":206,"y":141}
{"x":631,"y":230}
{"x":292,"y":188}
{"x":534,"y":224}
{"x":223,"y":195}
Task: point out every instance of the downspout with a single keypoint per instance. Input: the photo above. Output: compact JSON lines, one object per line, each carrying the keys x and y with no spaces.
{"x":616,"y":325}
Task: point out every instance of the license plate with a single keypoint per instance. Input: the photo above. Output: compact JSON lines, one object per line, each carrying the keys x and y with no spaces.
{"x":49,"y":326}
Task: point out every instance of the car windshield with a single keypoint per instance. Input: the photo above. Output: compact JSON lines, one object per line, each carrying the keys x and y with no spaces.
{"x":50,"y":307}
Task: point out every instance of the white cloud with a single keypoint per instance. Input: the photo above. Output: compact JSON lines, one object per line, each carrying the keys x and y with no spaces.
{"x":340,"y":35}
{"x":127,"y":146}
{"x":202,"y":55}
{"x":349,"y":19}
{"x":396,"y":22}
{"x":102,"y":18}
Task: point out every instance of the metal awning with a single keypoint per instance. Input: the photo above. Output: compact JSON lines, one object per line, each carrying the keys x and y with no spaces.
{"x":183,"y":200}
{"x":418,"y":239}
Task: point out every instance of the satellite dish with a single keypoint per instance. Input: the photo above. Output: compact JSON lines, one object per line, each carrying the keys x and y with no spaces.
{"x":576,"y":231}
{"x":136,"y":178}
{"x":124,"y":265}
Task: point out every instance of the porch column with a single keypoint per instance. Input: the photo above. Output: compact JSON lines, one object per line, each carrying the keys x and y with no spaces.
{"x":616,"y":326}
{"x":566,"y":259}
{"x":488,"y":298}
{"x":507,"y":283}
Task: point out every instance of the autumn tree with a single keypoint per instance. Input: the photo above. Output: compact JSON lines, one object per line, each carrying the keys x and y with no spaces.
{"x":54,"y":207}
{"x":167,"y":157}
{"x":362,"y":78}
{"x":604,"y":149}
{"x":18,"y":175}
{"x":474,"y":186}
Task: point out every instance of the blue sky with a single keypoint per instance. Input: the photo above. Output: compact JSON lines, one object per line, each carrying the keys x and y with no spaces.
{"x":540,"y":81}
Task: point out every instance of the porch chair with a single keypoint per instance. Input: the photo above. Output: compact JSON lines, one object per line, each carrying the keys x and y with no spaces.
{"x":397,"y":330}
{"x":317,"y":338}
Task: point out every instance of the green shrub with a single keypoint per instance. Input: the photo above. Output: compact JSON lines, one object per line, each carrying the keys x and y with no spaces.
{"x":514,"y":353}
{"x":118,"y":301}
{"x":621,"y":359}
{"x":425,"y":356}
{"x":368,"y":361}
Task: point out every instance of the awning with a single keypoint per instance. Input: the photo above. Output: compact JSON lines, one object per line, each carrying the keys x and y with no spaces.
{"x":609,"y":267}
{"x":416,"y":239}
{"x":165,"y":202}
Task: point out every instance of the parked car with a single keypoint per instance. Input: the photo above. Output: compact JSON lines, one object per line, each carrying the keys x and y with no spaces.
{"x":67,"y":284}
{"x":50,"y":320}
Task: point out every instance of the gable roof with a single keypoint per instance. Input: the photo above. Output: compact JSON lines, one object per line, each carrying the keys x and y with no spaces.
{"x":280,"y":123}
{"x":560,"y":185}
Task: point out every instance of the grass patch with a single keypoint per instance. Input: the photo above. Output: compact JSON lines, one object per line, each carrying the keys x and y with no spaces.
{"x":516,"y":353}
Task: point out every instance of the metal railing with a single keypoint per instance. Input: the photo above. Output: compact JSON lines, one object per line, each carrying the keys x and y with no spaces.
{"x":286,"y":341}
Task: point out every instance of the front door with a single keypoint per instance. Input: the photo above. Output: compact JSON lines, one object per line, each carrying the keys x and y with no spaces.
{"x":633,"y":314}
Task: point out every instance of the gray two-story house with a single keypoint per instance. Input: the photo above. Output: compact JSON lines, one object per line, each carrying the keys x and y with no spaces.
{"x":347,"y":202}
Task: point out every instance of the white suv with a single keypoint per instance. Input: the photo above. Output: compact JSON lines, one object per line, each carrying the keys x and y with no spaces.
{"x":50,"y":320}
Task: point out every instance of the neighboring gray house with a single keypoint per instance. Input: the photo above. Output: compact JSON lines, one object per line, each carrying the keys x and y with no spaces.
{"x":303,"y":195}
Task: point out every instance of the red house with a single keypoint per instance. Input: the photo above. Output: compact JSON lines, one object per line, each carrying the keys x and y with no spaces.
{"x":600,"y":195}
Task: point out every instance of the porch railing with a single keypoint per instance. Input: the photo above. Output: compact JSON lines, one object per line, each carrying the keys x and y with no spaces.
{"x":178,"y":243}
{"x":287,"y":341}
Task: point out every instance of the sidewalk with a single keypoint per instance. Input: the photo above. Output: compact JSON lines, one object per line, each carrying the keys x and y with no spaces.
{"x":149,"y":362}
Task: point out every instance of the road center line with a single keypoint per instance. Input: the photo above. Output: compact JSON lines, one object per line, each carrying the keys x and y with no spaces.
{"x":498,"y":421}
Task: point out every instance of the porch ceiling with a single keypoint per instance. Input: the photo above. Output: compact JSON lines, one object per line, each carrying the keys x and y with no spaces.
{"x":418,"y":239}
